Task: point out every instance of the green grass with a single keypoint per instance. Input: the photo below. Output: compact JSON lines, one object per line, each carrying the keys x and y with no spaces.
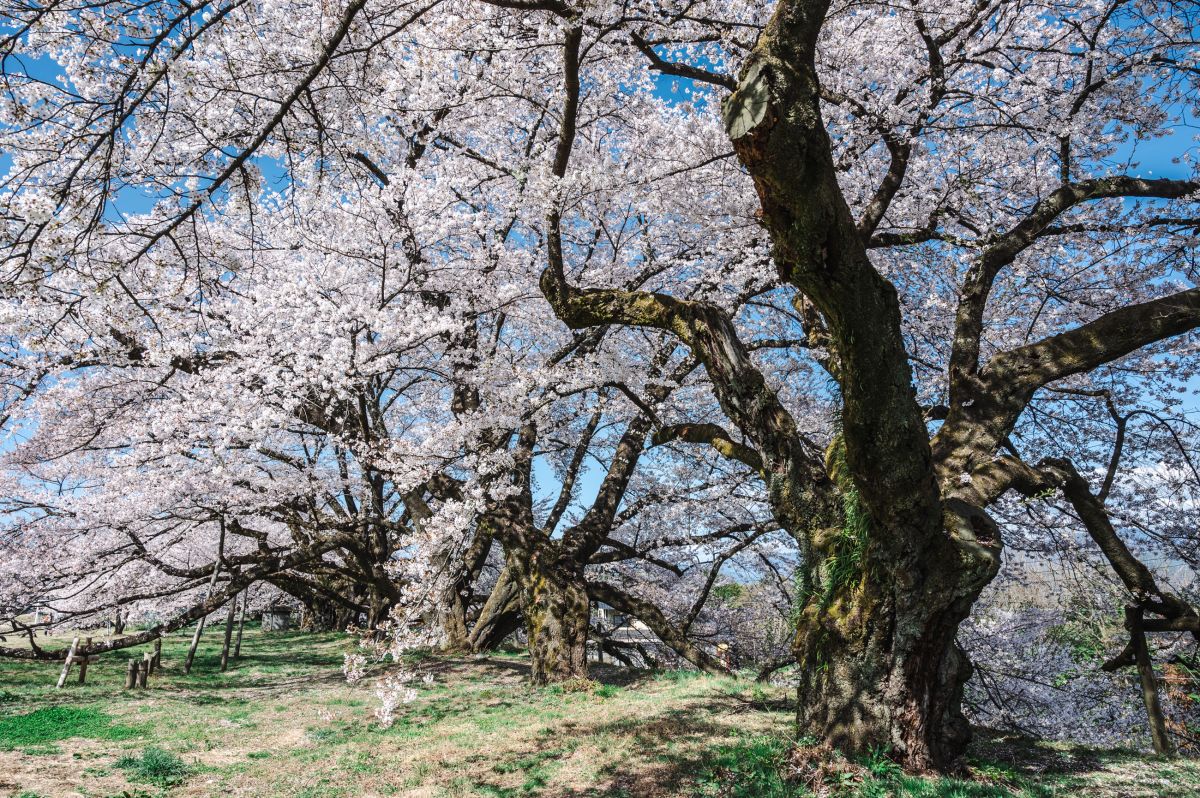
{"x":283,"y":723}
{"x":51,"y":724}
{"x":154,"y":766}
{"x":751,"y":768}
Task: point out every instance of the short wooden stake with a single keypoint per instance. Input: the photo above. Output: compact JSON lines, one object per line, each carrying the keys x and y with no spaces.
{"x":237,"y":646}
{"x":156,"y":657}
{"x":228,"y":634}
{"x":143,"y":671}
{"x":84,"y":659}
{"x":191,"y":655}
{"x":62,"y":678}
{"x":131,"y":675}
{"x":1163,"y":745}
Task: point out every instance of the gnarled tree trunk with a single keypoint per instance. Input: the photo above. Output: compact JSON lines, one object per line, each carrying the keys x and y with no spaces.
{"x":556,"y":609}
{"x":880,"y":667}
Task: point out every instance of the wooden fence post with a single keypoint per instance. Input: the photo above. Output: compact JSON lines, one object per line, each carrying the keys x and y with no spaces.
{"x":1158,"y":724}
{"x":156,"y":662}
{"x":237,"y":647}
{"x":62,"y":678}
{"x":228,"y":634}
{"x":191,"y":655}
{"x":83,"y":660}
{"x":131,"y":675}
{"x":143,"y":673}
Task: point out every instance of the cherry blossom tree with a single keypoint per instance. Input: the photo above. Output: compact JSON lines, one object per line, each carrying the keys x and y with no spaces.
{"x":902,"y":256}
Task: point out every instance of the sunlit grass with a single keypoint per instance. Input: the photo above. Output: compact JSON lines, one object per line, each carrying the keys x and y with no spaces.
{"x":284,"y":723}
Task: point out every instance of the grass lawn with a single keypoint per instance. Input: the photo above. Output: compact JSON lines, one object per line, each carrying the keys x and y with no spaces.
{"x":283,"y":722}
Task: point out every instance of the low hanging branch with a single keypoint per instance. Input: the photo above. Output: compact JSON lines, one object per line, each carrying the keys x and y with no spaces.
{"x":654,"y":618}
{"x":214,"y":601}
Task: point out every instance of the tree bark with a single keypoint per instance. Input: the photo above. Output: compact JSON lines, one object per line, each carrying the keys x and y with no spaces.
{"x":888,"y":583}
{"x":556,"y":609}
{"x":880,"y":668}
{"x":237,"y":645}
{"x":228,"y":634}
{"x":500,"y":615}
{"x":191,"y":655}
{"x":455,"y":599}
{"x":321,"y":615}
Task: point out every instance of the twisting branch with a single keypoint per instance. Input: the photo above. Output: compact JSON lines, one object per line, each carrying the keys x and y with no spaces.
{"x":653,"y":617}
{"x":713,"y":435}
{"x":676,"y":69}
{"x":1004,"y":249}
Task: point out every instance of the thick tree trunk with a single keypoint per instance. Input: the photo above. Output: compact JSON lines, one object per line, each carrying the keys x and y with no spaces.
{"x":886,"y":673}
{"x":454,"y":603}
{"x":378,"y":610}
{"x":321,"y":615}
{"x":556,"y":608}
{"x":452,"y":616}
{"x":880,"y":665}
{"x":890,"y":582}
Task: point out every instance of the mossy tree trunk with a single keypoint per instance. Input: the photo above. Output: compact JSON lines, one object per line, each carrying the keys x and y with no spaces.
{"x":887,"y":581}
{"x":880,"y":666}
{"x":557,"y":611}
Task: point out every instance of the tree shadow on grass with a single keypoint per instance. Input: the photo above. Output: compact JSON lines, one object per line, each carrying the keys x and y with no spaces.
{"x":674,"y":747}
{"x":1034,"y":759}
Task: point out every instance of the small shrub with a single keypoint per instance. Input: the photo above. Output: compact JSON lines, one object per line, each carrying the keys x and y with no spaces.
{"x":678,"y":675}
{"x":580,"y":685}
{"x":154,"y":766}
{"x":881,"y":766}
